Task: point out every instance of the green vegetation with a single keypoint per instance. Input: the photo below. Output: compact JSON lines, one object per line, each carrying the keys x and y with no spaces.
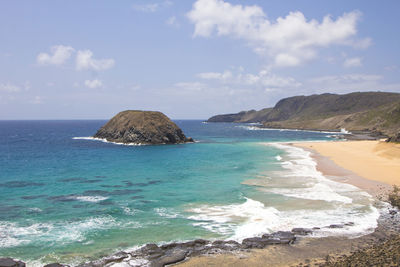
{"x":383,"y":254}
{"x":376,"y":112}
{"x":394,"y":197}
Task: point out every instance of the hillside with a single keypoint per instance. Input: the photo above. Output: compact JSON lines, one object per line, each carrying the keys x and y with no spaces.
{"x":370,"y":111}
{"x":243,"y":116}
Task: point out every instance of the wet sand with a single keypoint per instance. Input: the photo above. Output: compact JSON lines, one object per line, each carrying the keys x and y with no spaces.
{"x":348,"y":162}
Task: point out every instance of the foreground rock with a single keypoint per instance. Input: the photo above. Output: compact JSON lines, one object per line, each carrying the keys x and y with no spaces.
{"x":142,"y":127}
{"x":8,"y":262}
{"x":158,"y":256}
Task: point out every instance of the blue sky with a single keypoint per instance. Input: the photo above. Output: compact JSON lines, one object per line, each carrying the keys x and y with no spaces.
{"x":189,"y":59}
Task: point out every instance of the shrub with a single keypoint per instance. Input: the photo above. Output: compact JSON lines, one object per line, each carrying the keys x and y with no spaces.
{"x":394,"y":197}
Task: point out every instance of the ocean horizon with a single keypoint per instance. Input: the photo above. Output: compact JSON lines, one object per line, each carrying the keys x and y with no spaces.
{"x":67,"y":198}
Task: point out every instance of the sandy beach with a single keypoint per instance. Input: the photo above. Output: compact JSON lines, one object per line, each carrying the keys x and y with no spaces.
{"x":370,"y":165}
{"x":373,"y":160}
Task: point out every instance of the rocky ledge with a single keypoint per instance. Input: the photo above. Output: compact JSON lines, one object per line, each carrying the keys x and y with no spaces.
{"x":153,"y":255}
{"x":157,"y":256}
{"x":142,"y":127}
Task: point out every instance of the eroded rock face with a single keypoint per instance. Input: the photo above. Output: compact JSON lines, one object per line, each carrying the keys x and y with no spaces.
{"x":142,"y":127}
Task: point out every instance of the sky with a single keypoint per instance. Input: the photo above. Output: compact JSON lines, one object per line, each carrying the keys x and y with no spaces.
{"x":189,"y":59}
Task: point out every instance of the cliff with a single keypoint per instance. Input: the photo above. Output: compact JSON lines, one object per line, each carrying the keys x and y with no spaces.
{"x":369,"y":111}
{"x":142,"y":127}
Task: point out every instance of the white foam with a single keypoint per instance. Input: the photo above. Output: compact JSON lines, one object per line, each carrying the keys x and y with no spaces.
{"x":316,"y":186}
{"x":130,"y":211}
{"x":254,"y":128}
{"x":278,"y":158}
{"x":93,"y":199}
{"x":167,"y":213}
{"x":253,"y":218}
{"x":139,"y":263}
{"x":339,"y":203}
{"x":105,"y":141}
{"x":62,"y":232}
{"x":35,"y":209}
{"x":344,"y":131}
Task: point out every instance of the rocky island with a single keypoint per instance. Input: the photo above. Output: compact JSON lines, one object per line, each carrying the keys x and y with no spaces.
{"x":142,"y":127}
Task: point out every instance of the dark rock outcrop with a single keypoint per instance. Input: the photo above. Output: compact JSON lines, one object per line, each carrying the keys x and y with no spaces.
{"x":158,"y":256}
{"x":9,"y":262}
{"x":56,"y":265}
{"x":142,"y":127}
{"x":301,"y":231}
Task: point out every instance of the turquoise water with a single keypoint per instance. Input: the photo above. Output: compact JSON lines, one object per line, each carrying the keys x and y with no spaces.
{"x":71,"y":200}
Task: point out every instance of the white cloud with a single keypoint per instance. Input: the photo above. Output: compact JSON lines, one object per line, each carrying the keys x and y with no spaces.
{"x":191,"y":86}
{"x":147,"y":7}
{"x":135,"y":87}
{"x":151,"y":7}
{"x":59,"y":55}
{"x":27,"y":85}
{"x":172,"y":21}
{"x":9,"y":88}
{"x":37,"y":100}
{"x":262,"y":79}
{"x":353,"y":62}
{"x":392,"y":68}
{"x":225,"y":76}
{"x":85,"y":61}
{"x":347,"y":78}
{"x":347,"y":83}
{"x":289,"y":41}
{"x":93,"y":83}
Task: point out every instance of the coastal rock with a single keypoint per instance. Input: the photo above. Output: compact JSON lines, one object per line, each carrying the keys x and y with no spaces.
{"x":174,"y":256}
{"x":394,"y":138}
{"x":9,"y":262}
{"x":301,"y":231}
{"x":56,"y":265}
{"x":171,"y":253}
{"x":229,"y":245}
{"x":281,"y":237}
{"x":115,"y":258}
{"x":336,"y":226}
{"x":142,"y":127}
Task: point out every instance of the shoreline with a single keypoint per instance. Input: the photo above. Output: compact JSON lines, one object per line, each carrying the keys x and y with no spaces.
{"x":257,"y":252}
{"x":379,"y":190}
{"x":309,"y":250}
{"x":373,"y":161}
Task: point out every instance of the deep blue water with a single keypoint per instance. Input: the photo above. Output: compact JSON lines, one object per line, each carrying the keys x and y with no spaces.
{"x":63,"y":199}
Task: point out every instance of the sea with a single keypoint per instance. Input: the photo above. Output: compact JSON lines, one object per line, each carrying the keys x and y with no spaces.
{"x":65,"y":197}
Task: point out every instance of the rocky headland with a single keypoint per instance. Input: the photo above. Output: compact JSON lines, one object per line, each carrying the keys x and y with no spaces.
{"x":142,"y":127}
{"x":376,"y":114}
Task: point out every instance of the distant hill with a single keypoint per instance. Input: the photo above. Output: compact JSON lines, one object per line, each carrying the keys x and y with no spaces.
{"x":368,"y":111}
{"x":243,"y":116}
